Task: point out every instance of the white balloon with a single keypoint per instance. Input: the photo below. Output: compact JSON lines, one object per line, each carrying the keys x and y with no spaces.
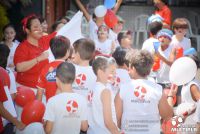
{"x":100,"y":11}
{"x":182,"y":71}
{"x":34,"y":128}
{"x":184,"y":108}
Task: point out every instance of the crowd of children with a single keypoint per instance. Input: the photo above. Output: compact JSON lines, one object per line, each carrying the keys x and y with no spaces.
{"x":100,"y":84}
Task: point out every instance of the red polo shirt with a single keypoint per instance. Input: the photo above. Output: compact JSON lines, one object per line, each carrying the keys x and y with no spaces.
{"x":47,"y":78}
{"x":25,"y":52}
{"x":166,"y":14}
{"x":3,"y":97}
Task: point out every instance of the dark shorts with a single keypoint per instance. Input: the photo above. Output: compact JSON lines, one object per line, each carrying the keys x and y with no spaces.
{"x":8,"y":129}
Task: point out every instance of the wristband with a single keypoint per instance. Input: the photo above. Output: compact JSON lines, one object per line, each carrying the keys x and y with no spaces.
{"x":170,"y":96}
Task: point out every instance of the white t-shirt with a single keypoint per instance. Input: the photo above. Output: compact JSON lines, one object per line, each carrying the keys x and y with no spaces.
{"x":85,"y":80}
{"x":122,"y":77}
{"x":185,"y":43}
{"x":103,"y":47}
{"x":13,"y":87}
{"x":9,"y":106}
{"x":163,"y":72}
{"x":97,"y":109}
{"x":12,"y":53}
{"x":113,"y":37}
{"x":93,"y":29}
{"x":84,"y":84}
{"x":186,"y":97}
{"x":148,"y":45}
{"x":140,"y":107}
{"x":66,"y":111}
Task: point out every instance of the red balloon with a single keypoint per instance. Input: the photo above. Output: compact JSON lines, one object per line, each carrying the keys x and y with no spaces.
{"x":166,"y":91}
{"x":110,"y":19}
{"x":33,"y":112}
{"x":5,"y":77}
{"x":24,"y":95}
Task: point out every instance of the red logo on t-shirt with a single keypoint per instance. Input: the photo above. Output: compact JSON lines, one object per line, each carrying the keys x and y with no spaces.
{"x":72,"y":106}
{"x":90,"y":95}
{"x":80,"y":79}
{"x":140,"y":92}
{"x":116,"y":82}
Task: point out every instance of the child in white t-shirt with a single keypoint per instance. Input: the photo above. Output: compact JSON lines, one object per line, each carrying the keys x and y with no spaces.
{"x":103,"y":108}
{"x":66,"y":112}
{"x":114,"y":32}
{"x":125,"y":39}
{"x":190,"y":93}
{"x":103,"y":44}
{"x":167,"y":54}
{"x":95,"y":21}
{"x":85,"y":80}
{"x":122,"y":75}
{"x":154,"y":28}
{"x":140,"y":103}
{"x":9,"y":40}
{"x":180,"y":27}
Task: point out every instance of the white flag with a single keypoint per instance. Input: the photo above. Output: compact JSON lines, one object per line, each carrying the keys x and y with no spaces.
{"x":71,"y":30}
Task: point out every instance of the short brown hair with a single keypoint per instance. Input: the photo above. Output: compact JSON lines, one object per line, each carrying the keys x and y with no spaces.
{"x":85,"y":48}
{"x":180,"y":23}
{"x":100,"y":63}
{"x":141,"y":60}
{"x":66,"y":73}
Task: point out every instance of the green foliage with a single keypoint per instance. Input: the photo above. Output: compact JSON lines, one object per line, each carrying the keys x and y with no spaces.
{"x":3,"y":21}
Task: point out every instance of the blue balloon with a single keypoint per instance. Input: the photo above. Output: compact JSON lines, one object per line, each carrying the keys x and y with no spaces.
{"x":109,"y":3}
{"x":190,"y":51}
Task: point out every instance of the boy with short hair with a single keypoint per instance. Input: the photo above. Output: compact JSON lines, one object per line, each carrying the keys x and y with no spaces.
{"x":125,"y":39}
{"x":103,"y":109}
{"x":140,"y":94}
{"x":154,"y":28}
{"x":167,"y":55}
{"x":122,"y":75}
{"x":66,"y":112}
{"x":85,"y":78}
{"x":60,"y":46}
{"x":180,"y":27}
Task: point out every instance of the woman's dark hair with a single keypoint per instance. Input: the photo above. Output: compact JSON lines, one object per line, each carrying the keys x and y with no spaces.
{"x":6,"y":26}
{"x":4,"y":53}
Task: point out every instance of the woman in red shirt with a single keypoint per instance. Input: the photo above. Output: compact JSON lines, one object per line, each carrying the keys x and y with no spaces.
{"x":163,"y":10}
{"x":31,"y":55}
